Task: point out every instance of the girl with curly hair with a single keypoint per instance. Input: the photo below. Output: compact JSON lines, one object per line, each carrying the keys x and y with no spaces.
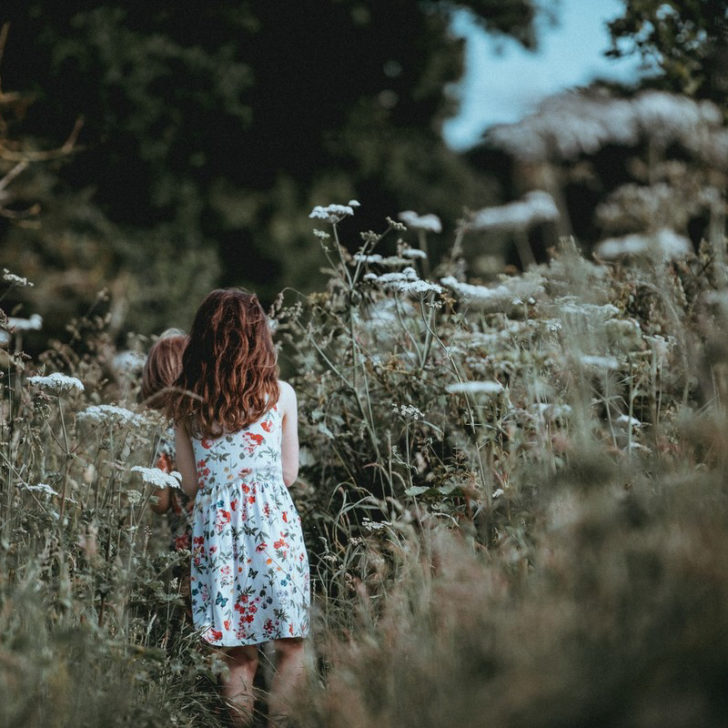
{"x":237,"y":451}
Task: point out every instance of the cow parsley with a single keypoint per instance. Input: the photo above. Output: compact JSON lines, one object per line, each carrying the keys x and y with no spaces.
{"x":599,"y":362}
{"x":14,"y":280}
{"x":41,"y":488}
{"x":486,"y":387}
{"x":158,"y":478}
{"x":57,"y":383}
{"x":428,"y":223}
{"x":332,"y":213}
{"x":110,"y":414}
{"x":665,"y":244}
{"x":536,"y":207}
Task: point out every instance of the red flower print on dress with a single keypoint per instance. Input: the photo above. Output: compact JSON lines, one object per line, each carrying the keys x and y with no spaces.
{"x":206,"y":443}
{"x":215,"y":635}
{"x":261,"y":547}
{"x":182,"y":542}
{"x":251,"y":440}
{"x":267,"y":425}
{"x":284,"y":516}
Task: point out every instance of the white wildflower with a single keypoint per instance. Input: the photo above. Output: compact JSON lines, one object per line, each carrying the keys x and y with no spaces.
{"x":571,"y":124}
{"x":628,"y":422}
{"x":321,"y":234}
{"x":158,"y":478}
{"x":34,"y":323}
{"x":550,"y":411}
{"x":408,"y":411}
{"x":374,"y":525}
{"x":57,"y":383}
{"x":110,"y":414}
{"x":499,"y":297}
{"x":406,"y":281}
{"x":331,"y":213}
{"x":486,"y":387}
{"x":570,"y":306}
{"x":413,"y":253}
{"x":599,"y":362}
{"x":498,"y":493}
{"x":534,"y":208}
{"x":361,"y":258}
{"x":354,"y":203}
{"x":128,"y":362}
{"x":429,"y":223}
{"x":133,"y":497}
{"x":665,"y":244}
{"x":14,"y":280}
{"x":41,"y":488}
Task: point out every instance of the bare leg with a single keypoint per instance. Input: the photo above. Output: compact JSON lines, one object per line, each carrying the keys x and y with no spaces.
{"x":287,"y":680}
{"x":237,"y":688}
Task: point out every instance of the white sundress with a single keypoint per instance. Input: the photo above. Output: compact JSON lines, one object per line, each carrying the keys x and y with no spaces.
{"x":249,"y":571}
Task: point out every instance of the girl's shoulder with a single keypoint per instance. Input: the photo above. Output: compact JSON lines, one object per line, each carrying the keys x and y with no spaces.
{"x":286,"y":397}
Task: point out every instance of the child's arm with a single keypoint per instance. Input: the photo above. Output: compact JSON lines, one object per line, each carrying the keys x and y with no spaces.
{"x":162,"y":504}
{"x":289,"y":444}
{"x":186,"y":461}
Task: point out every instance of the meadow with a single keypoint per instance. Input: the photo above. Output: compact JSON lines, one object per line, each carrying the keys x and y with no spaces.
{"x":513,"y":495}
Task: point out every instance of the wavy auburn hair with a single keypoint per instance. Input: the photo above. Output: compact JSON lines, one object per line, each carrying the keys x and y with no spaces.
{"x":229,"y":371}
{"x":162,"y":369}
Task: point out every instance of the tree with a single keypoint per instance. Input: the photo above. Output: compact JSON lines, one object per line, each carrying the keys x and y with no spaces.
{"x":210,"y":131}
{"x":685,"y":40}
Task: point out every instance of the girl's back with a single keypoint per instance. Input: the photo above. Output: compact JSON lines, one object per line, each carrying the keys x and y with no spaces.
{"x":250,"y":580}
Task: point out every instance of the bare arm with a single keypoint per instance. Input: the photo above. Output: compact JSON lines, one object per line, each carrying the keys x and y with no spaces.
{"x":162,"y":504}
{"x":288,"y":407}
{"x":185,"y":458}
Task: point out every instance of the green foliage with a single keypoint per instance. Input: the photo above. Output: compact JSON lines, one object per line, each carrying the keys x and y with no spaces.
{"x":685,"y":40}
{"x":208,"y":134}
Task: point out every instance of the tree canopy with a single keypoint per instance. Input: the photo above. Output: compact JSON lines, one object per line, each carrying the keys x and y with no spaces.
{"x":210,"y":130}
{"x":685,"y":41}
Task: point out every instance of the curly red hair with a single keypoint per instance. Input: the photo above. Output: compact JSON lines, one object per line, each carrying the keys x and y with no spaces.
{"x":161,"y":369}
{"x":229,"y":369}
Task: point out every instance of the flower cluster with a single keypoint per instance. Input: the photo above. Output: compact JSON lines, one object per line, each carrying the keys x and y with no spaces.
{"x":408,"y":411}
{"x":333,"y":213}
{"x":406,"y":281}
{"x":664,"y":245}
{"x":428,"y":223}
{"x":504,"y":296}
{"x":110,"y":414}
{"x":57,"y":383}
{"x":41,"y":488}
{"x":158,"y":478}
{"x":486,"y":387}
{"x":15,"y":280}
{"x":535,"y":208}
{"x":568,"y":125}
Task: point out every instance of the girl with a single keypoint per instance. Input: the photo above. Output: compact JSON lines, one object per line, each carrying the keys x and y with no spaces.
{"x":161,"y":369}
{"x":237,"y":451}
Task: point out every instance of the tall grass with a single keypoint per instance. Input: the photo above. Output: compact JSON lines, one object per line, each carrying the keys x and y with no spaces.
{"x":514,"y":500}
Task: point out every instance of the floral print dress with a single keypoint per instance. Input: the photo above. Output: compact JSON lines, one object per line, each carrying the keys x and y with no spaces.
{"x":249,"y":573}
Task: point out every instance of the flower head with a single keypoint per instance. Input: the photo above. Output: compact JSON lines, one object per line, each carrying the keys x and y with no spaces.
{"x":158,"y":478}
{"x":14,"y":280}
{"x":110,"y":414}
{"x":486,"y":387}
{"x":429,"y":223}
{"x":331,"y":213}
{"x":41,"y":488}
{"x":57,"y":383}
